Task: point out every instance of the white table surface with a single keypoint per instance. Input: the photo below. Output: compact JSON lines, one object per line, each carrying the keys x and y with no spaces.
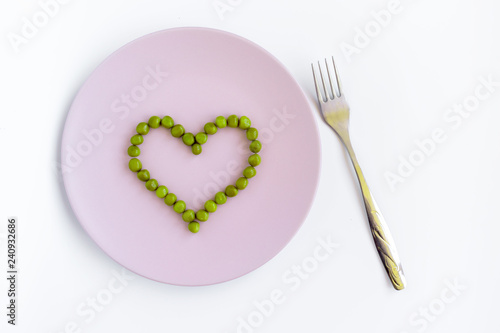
{"x":401,"y":85}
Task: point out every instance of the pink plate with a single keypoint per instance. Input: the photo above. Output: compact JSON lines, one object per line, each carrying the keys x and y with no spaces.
{"x":193,"y":75}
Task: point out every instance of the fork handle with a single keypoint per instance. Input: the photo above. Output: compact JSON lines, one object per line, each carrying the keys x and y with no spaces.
{"x":379,"y":229}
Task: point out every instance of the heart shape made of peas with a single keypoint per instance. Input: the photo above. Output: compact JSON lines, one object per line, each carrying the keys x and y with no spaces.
{"x":195,"y":142}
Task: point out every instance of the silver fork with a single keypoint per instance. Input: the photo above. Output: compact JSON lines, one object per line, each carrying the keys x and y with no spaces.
{"x":335,"y":111}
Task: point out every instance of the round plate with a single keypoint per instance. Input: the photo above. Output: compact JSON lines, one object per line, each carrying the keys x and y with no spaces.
{"x":193,"y":75}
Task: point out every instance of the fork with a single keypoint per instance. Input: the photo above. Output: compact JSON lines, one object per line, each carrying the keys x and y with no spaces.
{"x":335,"y":112}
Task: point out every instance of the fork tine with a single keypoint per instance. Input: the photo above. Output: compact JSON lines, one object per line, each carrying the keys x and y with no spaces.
{"x":337,"y":78}
{"x":318,"y":89}
{"x":327,"y":94}
{"x":330,"y":80}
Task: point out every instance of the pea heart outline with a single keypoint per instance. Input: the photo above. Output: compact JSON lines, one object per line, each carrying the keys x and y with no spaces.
{"x":196,"y":142}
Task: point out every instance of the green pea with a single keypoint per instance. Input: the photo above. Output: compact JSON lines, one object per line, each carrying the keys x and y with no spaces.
{"x":143,"y":175}
{"x":152,"y":184}
{"x":135,"y":165}
{"x":142,"y":128}
{"x":177,"y":131}
{"x":188,"y":139}
{"x":210,"y":206}
{"x":241,"y":183}
{"x":232,"y":121}
{"x":252,"y":134}
{"x":245,"y":123}
{"x":220,"y":198}
{"x":254,"y":159}
{"x":210,"y":128}
{"x":154,"y":122}
{"x":194,"y":227}
{"x":133,"y":151}
{"x":255,"y":146}
{"x":137,"y":139}
{"x":167,"y":122}
{"x":221,"y":122}
{"x":180,"y":207}
{"x":201,"y":138}
{"x":231,"y":191}
{"x":170,"y":199}
{"x":202,"y":215}
{"x":196,"y":149}
{"x":188,"y":215}
{"x":249,"y":172}
{"x":161,"y":191}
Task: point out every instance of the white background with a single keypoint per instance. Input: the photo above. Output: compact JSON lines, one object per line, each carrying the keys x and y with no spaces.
{"x":429,"y":57}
